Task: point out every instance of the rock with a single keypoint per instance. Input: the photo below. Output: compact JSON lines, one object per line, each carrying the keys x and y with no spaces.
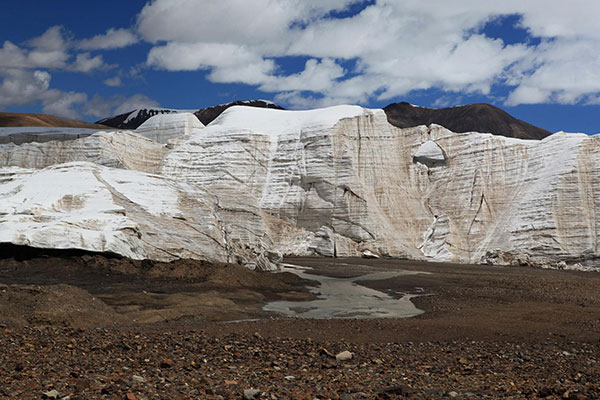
{"x":398,"y":389}
{"x":369,"y":254}
{"x":51,"y":394}
{"x":130,"y":396}
{"x":344,"y":356}
{"x":289,"y":377}
{"x":166,"y":363}
{"x":138,"y":379}
{"x":250,"y":394}
{"x":452,"y":394}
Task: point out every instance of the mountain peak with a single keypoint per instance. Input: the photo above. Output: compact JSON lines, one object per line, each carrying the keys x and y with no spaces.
{"x":479,"y":117}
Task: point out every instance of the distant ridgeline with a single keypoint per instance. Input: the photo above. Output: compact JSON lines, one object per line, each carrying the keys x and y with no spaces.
{"x":135,"y":118}
{"x":483,"y":118}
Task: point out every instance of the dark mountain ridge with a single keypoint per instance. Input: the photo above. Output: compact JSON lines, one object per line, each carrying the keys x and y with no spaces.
{"x":483,"y":118}
{"x":133,"y":119}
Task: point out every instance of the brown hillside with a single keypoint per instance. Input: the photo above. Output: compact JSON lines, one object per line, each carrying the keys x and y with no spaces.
{"x":19,"y":119}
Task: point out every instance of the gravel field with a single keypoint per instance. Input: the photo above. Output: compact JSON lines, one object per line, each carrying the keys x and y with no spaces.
{"x":86,"y":327}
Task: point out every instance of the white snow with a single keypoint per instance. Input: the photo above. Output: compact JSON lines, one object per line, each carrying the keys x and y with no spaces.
{"x":157,"y":111}
{"x":275,"y":122}
{"x":430,"y":151}
{"x":164,"y":127}
{"x":151,"y":192}
{"x":62,"y":207}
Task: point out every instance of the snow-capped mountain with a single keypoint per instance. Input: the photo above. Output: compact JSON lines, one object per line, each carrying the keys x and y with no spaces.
{"x":135,"y":118}
{"x":256,"y":183}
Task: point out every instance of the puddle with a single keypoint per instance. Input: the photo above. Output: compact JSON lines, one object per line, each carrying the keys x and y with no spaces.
{"x":342,"y":297}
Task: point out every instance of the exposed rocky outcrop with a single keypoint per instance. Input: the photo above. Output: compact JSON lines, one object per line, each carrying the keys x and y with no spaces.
{"x":483,"y":118}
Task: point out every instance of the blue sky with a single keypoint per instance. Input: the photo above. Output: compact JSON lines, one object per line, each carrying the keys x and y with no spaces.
{"x":539,"y":60}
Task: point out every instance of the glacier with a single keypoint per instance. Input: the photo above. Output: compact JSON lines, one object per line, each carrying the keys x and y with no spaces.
{"x":257,"y":183}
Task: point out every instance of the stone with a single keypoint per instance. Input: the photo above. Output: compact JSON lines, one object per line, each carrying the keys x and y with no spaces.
{"x":369,"y":254}
{"x":250,"y":394}
{"x":51,"y":394}
{"x":166,"y":363}
{"x":138,"y":379}
{"x":344,"y":356}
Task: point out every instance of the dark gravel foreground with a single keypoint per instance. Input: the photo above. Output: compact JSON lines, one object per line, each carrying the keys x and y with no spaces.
{"x":487,"y":332}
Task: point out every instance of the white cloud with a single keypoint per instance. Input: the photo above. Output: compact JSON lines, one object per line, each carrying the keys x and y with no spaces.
{"x":102,"y":107}
{"x":85,"y":63}
{"x":317,"y":76}
{"x":112,"y":39}
{"x":62,"y":104}
{"x":113,"y":82}
{"x":399,"y":46}
{"x":24,"y":80}
{"x":52,"y":39}
{"x":258,"y":22}
{"x":13,"y":56}
{"x":177,"y":56}
{"x":20,"y":87}
{"x":134,"y":102}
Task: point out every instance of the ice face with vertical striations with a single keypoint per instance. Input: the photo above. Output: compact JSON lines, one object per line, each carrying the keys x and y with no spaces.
{"x":339,"y":181}
{"x":163,"y":128}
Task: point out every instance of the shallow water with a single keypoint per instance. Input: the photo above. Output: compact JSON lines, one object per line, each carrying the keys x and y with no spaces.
{"x":342,"y":297}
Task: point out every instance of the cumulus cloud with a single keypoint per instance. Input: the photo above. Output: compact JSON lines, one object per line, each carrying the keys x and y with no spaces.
{"x":84,"y":62}
{"x":134,"y":102}
{"x":20,"y":87}
{"x":101,"y":107}
{"x":113,"y":82}
{"x":25,"y":76}
{"x":398,"y":46}
{"x":63,"y":104}
{"x":23,"y":86}
{"x":112,"y":39}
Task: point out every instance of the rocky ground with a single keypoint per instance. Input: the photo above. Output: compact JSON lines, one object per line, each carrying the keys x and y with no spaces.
{"x":85,"y":327}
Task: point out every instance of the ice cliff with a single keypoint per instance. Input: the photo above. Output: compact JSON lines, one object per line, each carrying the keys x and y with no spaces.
{"x":342,"y":181}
